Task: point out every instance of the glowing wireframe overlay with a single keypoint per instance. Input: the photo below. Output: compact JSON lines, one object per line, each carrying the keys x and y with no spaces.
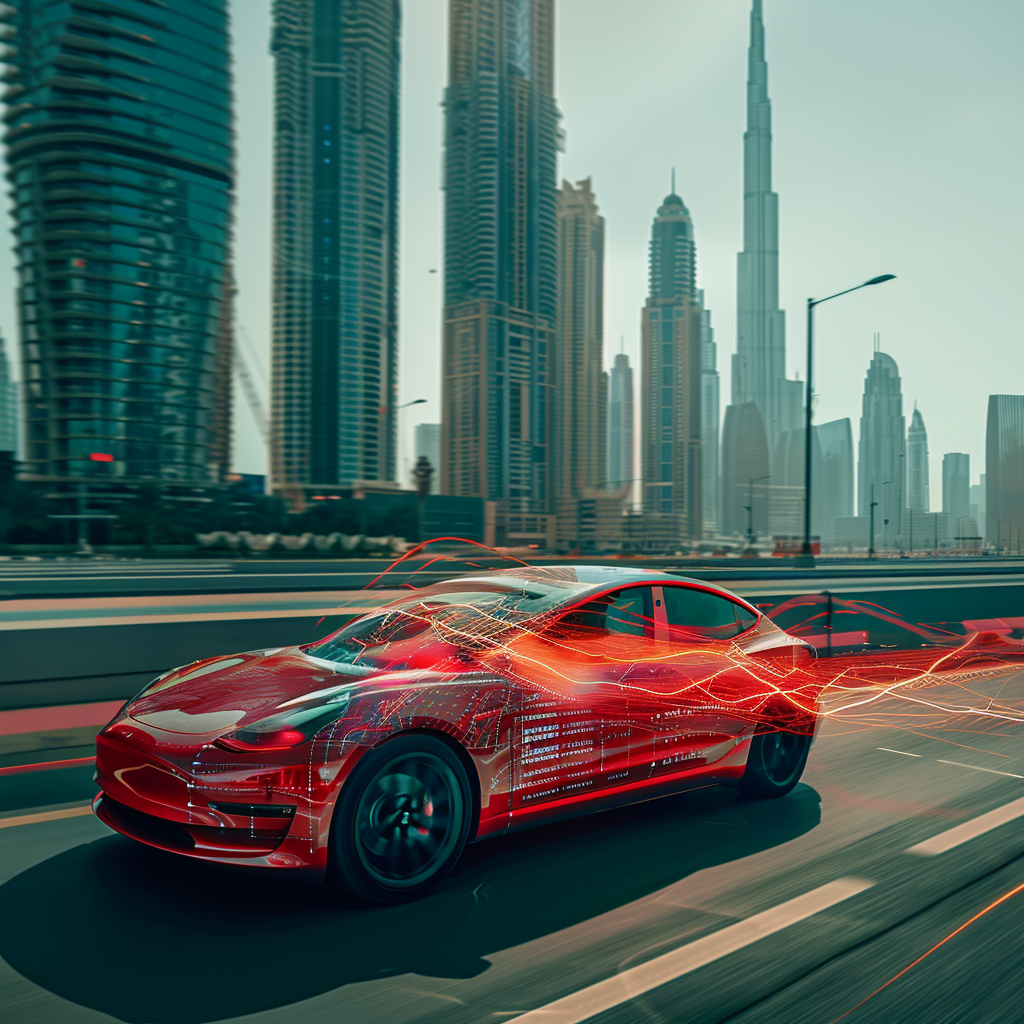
{"x":858,"y":687}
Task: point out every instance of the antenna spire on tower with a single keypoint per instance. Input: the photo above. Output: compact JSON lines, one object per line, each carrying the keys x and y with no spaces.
{"x":673,"y":181}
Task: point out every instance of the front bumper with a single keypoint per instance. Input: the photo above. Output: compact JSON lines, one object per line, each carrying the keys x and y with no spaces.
{"x":236,"y":812}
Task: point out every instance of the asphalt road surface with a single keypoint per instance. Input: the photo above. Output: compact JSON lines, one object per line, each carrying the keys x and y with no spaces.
{"x":699,"y":908}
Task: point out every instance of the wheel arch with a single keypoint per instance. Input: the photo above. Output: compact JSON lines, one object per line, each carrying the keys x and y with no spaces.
{"x":465,"y":759}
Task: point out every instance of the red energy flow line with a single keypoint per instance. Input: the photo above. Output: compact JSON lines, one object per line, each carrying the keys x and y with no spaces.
{"x":896,"y":977}
{"x":45,"y":766}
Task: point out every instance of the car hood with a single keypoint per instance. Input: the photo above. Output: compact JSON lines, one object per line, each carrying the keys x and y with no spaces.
{"x":218,"y":694}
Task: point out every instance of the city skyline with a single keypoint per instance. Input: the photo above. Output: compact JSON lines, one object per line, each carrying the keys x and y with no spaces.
{"x":724,"y":40}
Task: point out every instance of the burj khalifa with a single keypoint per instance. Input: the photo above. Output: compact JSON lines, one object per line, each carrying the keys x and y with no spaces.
{"x":759,"y":365}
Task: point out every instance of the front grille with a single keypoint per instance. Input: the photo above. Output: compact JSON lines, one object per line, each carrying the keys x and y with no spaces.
{"x":255,"y":810}
{"x":148,"y":827}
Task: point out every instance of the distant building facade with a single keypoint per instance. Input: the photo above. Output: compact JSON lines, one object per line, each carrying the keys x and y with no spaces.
{"x":833,"y":485}
{"x":670,"y":368}
{"x":709,"y":421}
{"x":956,"y":489}
{"x":580,"y":393}
{"x":620,"y":424}
{"x":978,"y":502}
{"x":880,"y":458}
{"x":120,"y":154}
{"x":918,"y":495}
{"x":334,"y":348}
{"x":1004,"y":473}
{"x":746,"y":471}
{"x":501,"y":138}
{"x":427,"y":442}
{"x":8,"y":404}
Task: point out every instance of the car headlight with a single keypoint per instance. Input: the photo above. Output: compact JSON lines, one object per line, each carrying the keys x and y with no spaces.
{"x":292,"y":727}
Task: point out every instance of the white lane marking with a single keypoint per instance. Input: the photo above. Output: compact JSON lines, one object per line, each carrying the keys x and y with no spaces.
{"x":604,"y":995}
{"x":31,"y":819}
{"x":991,"y":771}
{"x":213,"y":615}
{"x":969,"y":829}
{"x":889,"y":750}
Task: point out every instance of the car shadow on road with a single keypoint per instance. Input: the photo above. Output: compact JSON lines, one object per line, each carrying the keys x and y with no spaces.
{"x":150,"y":937}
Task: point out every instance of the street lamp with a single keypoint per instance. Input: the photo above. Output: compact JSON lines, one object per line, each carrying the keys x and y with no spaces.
{"x":805,"y":550}
{"x":398,"y":455}
{"x":871,"y":541}
{"x":750,"y":508}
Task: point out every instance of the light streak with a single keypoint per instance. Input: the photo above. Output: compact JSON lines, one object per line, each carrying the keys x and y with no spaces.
{"x":981,"y":913}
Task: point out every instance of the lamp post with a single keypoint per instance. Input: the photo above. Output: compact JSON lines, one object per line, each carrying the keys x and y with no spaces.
{"x":750,"y":508}
{"x":871,"y":540}
{"x":805,"y":550}
{"x":398,"y":408}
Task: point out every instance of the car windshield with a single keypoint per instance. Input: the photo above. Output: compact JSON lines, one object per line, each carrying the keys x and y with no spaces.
{"x":463,"y":612}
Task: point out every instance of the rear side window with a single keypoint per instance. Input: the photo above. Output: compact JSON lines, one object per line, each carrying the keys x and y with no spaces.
{"x":623,"y":612}
{"x":692,"y":613}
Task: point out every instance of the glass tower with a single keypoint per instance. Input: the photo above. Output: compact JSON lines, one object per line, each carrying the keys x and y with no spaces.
{"x":120,"y":157}
{"x":335,"y":290}
{"x":501,"y":145}
{"x":1004,"y":473}
{"x":670,"y":370}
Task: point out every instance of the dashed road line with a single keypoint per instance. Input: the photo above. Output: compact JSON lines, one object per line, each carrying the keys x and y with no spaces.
{"x":954,"y":837}
{"x":889,"y":750}
{"x":604,"y":995}
{"x":977,"y":768}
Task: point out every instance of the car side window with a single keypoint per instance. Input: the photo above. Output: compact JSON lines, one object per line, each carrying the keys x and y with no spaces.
{"x":625,"y":611}
{"x":691,"y":614}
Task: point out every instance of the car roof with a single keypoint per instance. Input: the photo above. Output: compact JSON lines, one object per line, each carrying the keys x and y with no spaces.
{"x":583,"y":580}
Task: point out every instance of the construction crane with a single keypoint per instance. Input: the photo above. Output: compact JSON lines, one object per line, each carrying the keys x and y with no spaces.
{"x":243,"y":354}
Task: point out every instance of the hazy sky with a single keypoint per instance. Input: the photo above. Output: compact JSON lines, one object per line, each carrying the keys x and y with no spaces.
{"x":897,"y":149}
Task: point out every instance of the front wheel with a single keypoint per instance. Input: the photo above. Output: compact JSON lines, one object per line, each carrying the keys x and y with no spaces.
{"x":402,"y":821}
{"x":775,"y":763}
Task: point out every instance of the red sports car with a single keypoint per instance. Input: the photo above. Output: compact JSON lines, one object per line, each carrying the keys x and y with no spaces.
{"x":458,"y":712}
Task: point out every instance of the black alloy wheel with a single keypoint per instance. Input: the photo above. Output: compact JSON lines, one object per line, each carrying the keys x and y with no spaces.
{"x":775,"y":763}
{"x":402,"y":821}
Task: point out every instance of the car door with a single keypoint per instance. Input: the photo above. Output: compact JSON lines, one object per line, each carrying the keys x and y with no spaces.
{"x":688,"y":702}
{"x":573,"y":731}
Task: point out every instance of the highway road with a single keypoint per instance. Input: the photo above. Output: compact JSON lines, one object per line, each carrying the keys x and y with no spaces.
{"x":902,"y":842}
{"x":700,"y":908}
{"x":102,"y":631}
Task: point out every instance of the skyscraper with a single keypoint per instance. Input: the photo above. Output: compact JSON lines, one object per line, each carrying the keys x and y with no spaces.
{"x":882,"y":440}
{"x":759,"y":365}
{"x":120,"y":156}
{"x":501,"y":136}
{"x":335,"y":285}
{"x":956,"y":490}
{"x":832,"y":489}
{"x":580,"y":443}
{"x":620,"y":424}
{"x":8,"y":404}
{"x":917,"y":466}
{"x":709,"y":420}
{"x":1004,"y":473}
{"x":670,"y":369}
{"x":978,"y":503}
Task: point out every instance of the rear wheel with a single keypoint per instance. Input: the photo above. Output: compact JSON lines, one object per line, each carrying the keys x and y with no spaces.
{"x":775,"y":763}
{"x":403,"y":820}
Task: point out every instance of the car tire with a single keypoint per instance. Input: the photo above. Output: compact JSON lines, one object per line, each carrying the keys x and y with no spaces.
{"x":402,"y":821}
{"x":775,"y":762}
